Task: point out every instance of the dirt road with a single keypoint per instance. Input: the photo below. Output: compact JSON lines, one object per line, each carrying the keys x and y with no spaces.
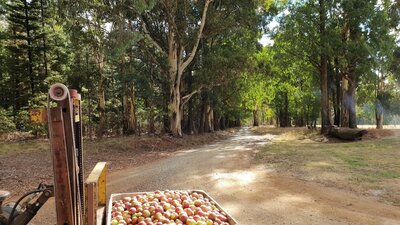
{"x":251,"y":192}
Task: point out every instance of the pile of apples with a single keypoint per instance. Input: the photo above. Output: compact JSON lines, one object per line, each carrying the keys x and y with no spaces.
{"x":167,"y":208}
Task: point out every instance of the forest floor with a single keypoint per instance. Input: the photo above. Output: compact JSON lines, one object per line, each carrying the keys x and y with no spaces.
{"x":247,"y":174}
{"x":26,"y":163}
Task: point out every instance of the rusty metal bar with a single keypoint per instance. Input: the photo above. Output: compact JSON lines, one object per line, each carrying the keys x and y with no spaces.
{"x":77,"y":115}
{"x":67,"y":157}
{"x":62,"y":191}
{"x":72,"y":159}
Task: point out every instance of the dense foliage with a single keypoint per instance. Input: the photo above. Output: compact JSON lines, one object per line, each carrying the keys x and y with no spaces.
{"x":346,"y":49}
{"x":181,"y":66}
{"x":141,"y":66}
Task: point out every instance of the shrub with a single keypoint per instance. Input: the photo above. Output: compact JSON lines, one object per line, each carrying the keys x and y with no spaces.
{"x":6,"y":122}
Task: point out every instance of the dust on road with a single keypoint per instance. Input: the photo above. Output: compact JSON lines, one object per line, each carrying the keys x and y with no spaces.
{"x":252,"y":193}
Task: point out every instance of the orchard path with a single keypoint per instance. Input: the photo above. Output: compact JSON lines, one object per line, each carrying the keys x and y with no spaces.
{"x":250,"y":192}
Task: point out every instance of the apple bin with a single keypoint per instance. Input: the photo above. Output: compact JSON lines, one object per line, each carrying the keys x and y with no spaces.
{"x":166,"y":207}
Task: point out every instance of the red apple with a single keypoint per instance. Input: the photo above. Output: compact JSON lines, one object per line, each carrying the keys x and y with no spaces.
{"x":183,"y":217}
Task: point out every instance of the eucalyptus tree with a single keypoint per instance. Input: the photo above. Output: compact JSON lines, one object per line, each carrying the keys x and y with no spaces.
{"x":178,"y":28}
{"x":256,"y":94}
{"x":383,"y":47}
{"x":304,"y":32}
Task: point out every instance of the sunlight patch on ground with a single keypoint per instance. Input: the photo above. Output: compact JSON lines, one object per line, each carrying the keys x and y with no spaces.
{"x":254,"y":137}
{"x":226,"y":156}
{"x":239,"y":147}
{"x":262,"y":142}
{"x":292,"y":199}
{"x":226,"y":180}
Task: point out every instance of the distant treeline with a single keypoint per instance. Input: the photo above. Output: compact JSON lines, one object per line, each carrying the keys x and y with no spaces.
{"x":164,"y":66}
{"x":141,"y":66}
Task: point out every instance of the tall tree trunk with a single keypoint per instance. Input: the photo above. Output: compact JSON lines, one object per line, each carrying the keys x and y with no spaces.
{"x":203,"y":110}
{"x":125,"y":111}
{"x":255,"y":117}
{"x":166,"y":123}
{"x":175,"y":75}
{"x":101,"y":96}
{"x":223,"y":123}
{"x":151,"y":120}
{"x":102,"y":110}
{"x":378,"y":103}
{"x":29,"y":48}
{"x":324,"y":97}
{"x":179,"y":59}
{"x":125,"y":100}
{"x":323,"y":71}
{"x":308,"y":112}
{"x":286,"y":111}
{"x":90,"y":123}
{"x":46,"y":73}
{"x":175,"y":109}
{"x":379,"y":116}
{"x":344,"y":120}
{"x":129,"y":108}
{"x":352,"y":103}
{"x":210,"y":118}
{"x":132,"y":109}
{"x":16,"y":88}
{"x":190,"y":120}
{"x":217,"y":121}
{"x":337,"y":96}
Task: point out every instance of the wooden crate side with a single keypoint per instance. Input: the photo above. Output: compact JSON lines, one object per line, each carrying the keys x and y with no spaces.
{"x":99,"y":176}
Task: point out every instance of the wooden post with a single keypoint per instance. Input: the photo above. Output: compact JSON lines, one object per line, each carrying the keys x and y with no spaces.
{"x":95,"y":186}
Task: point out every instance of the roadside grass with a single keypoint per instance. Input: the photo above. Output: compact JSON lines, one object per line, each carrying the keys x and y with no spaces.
{"x":29,"y":146}
{"x":369,"y":167}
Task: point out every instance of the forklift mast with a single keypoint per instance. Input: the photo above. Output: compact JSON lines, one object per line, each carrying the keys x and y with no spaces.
{"x":77,"y":202}
{"x":65,"y":133}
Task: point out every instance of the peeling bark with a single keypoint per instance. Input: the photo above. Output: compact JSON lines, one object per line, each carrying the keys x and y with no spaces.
{"x":179,"y":59}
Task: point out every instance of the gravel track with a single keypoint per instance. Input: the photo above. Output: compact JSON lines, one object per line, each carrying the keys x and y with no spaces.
{"x":252,"y":193}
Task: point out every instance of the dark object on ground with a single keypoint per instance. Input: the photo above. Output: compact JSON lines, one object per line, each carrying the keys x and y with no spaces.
{"x":350,"y":134}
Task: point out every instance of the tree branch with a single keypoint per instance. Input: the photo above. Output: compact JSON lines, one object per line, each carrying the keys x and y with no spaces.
{"x":151,"y":39}
{"x":199,"y":34}
{"x":187,"y":97}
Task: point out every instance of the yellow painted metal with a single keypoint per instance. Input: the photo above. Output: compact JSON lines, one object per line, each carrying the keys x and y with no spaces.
{"x":76,"y":103}
{"x":101,"y":187}
{"x":38,"y":115}
{"x":95,"y":194}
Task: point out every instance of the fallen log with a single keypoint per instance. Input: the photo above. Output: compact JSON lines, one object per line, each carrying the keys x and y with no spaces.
{"x":350,"y":134}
